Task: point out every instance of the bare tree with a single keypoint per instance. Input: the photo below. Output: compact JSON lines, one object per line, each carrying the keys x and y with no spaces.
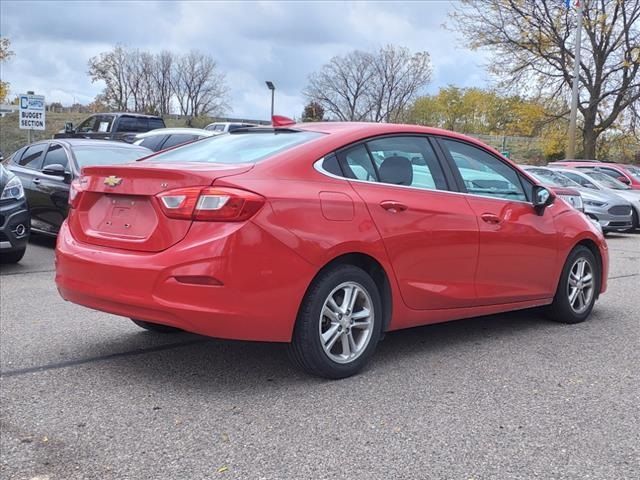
{"x":398,"y":78}
{"x":362,"y":86}
{"x":198,"y":85}
{"x":342,"y":86}
{"x":111,"y":68}
{"x":162,"y":81}
{"x":533,"y":48}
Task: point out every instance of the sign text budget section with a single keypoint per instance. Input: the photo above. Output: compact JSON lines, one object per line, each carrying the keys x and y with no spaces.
{"x":32,"y":112}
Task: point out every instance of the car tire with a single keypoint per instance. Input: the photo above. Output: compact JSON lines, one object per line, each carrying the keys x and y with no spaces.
{"x":156,"y":327}
{"x":577,"y":289}
{"x":12,"y":257}
{"x":333,"y":336}
{"x":635,"y":221}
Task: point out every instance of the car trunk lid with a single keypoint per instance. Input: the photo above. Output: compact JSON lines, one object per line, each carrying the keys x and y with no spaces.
{"x":118,"y":207}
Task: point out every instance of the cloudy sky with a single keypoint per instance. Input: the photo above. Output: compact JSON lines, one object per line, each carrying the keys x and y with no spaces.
{"x":252,"y":42}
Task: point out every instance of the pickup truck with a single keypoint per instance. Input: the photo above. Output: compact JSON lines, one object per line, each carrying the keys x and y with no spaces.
{"x":112,"y":126}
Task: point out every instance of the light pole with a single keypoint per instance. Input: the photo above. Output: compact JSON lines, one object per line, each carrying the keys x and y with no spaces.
{"x":571,"y":147}
{"x":271,"y":87}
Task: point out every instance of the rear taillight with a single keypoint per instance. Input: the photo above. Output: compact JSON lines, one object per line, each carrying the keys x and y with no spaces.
{"x":76,"y":189}
{"x":210,"y":204}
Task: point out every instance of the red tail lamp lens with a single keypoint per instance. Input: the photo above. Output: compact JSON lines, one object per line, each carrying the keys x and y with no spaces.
{"x":210,"y":204}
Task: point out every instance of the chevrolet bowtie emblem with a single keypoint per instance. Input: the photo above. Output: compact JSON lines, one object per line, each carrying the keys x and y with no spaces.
{"x":112,"y":181}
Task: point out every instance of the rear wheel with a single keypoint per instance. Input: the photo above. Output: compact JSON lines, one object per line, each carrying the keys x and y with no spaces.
{"x":577,"y":289}
{"x":156,"y":327}
{"x":12,"y":257}
{"x":339,"y":323}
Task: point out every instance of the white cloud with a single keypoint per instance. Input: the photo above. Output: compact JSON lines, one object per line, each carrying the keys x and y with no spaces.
{"x":252,"y":42}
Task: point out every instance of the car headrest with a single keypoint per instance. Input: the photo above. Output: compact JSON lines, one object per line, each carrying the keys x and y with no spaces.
{"x":396,"y":170}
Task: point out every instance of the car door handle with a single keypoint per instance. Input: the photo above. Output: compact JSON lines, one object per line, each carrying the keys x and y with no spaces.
{"x":36,"y":181}
{"x":491,"y":218}
{"x":393,"y":207}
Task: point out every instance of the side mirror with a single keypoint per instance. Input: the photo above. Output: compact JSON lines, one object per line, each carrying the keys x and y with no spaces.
{"x":68,"y":127}
{"x":55,"y":169}
{"x":624,"y":180}
{"x":542,"y":198}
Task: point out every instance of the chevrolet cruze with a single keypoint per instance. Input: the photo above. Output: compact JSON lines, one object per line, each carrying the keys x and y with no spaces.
{"x":324,"y":236}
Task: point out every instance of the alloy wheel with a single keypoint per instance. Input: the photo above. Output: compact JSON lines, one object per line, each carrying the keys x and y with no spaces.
{"x":346,"y":322}
{"x":581,"y":286}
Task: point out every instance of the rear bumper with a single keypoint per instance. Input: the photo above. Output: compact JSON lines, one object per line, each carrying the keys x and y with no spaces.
{"x":255,"y":301}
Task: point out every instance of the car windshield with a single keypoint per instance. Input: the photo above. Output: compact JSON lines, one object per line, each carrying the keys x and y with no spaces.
{"x":86,"y":156}
{"x":553,"y":178}
{"x":237,"y":147}
{"x":607,"y":181}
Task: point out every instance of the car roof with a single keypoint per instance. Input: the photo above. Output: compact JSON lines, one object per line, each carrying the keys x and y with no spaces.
{"x":89,"y":142}
{"x":132,"y":114}
{"x":175,"y":131}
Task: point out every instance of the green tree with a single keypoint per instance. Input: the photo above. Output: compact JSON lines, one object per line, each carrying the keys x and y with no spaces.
{"x":5,"y":53}
{"x":313,"y":112}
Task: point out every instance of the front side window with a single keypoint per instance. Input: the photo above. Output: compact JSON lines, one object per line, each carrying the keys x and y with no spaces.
{"x":239,"y":147}
{"x":33,"y":156}
{"x":87,"y":125}
{"x":483,"y":174}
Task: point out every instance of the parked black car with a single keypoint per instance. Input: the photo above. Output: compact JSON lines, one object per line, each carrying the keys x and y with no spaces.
{"x":48,"y":167}
{"x":14,"y":218}
{"x":112,"y":126}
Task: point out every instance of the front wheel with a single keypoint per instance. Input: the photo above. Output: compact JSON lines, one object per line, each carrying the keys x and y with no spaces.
{"x":156,"y":327}
{"x":339,"y":323}
{"x":578,"y":287}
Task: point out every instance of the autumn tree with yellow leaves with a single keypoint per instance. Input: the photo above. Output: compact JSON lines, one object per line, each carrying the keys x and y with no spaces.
{"x":533,"y":54}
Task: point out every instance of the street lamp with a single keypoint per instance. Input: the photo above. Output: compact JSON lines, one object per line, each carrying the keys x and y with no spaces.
{"x":271,"y":87}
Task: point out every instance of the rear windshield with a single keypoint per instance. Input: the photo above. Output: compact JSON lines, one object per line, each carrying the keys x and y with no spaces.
{"x":239,"y":147}
{"x":86,"y":156}
{"x":608,"y":181}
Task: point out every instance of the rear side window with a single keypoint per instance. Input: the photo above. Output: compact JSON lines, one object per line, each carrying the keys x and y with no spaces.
{"x":56,"y":155}
{"x":155,"y":123}
{"x":483,"y":174}
{"x":178,"y":139}
{"x":357,"y":164}
{"x":33,"y":156}
{"x":152,"y":142}
{"x":241,"y":147}
{"x":133,"y":124}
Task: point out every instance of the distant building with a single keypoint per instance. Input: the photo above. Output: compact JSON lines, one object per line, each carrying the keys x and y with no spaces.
{"x":6,"y":108}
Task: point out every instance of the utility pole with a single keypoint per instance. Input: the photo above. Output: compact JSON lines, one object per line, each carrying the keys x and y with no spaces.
{"x":571,"y":147}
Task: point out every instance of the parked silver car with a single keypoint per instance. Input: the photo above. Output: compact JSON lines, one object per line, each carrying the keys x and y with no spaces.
{"x":601,"y":182}
{"x":613,"y":213}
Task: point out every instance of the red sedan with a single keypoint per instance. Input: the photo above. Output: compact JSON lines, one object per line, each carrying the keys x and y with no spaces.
{"x":324,"y":236}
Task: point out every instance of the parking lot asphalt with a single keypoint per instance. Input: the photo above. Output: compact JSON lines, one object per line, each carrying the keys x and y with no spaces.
{"x":87,"y":395}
